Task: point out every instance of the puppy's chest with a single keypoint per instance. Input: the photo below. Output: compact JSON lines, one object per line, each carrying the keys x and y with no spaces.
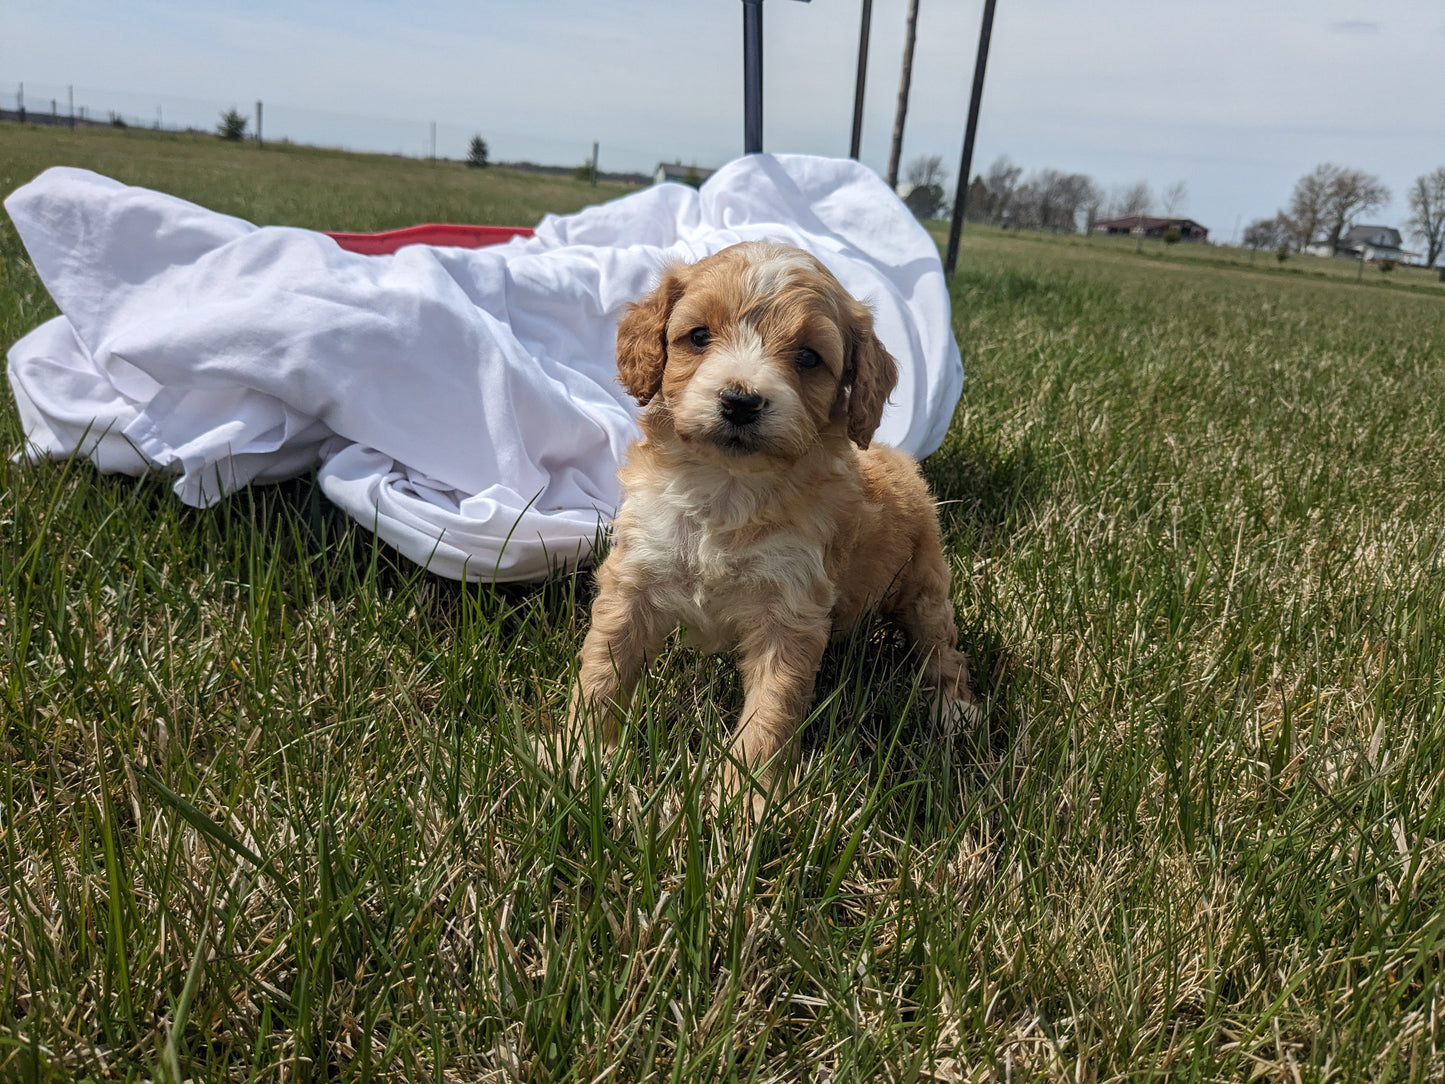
{"x":716,"y":578}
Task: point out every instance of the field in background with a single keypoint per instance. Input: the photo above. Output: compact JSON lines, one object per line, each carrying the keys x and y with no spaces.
{"x":271,"y":808}
{"x":281,"y":184}
{"x":1218,"y":257}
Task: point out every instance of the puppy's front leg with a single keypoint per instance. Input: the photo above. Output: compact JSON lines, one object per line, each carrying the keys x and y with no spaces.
{"x":779,"y":661}
{"x":626,"y":630}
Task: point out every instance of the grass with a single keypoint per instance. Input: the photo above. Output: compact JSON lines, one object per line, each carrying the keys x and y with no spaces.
{"x":271,"y":811}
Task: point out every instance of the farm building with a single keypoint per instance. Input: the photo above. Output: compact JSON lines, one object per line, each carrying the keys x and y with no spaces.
{"x":1366,"y":243}
{"x":1189,"y":230}
{"x":676,"y":171}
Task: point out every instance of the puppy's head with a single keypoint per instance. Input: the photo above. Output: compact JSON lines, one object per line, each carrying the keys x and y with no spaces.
{"x":756,"y":352}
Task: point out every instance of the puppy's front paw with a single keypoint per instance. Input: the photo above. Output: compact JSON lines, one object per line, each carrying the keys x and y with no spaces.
{"x":958,"y":714}
{"x":738,"y":795}
{"x":576,"y":746}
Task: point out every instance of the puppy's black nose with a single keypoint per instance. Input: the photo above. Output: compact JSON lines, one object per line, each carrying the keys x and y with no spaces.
{"x":740,"y":407}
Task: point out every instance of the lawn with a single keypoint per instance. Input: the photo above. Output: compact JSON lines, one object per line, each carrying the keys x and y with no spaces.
{"x":271,"y":810}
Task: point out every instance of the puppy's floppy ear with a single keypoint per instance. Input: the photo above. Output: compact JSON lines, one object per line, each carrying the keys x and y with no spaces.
{"x":642,"y":336}
{"x":872,"y":372}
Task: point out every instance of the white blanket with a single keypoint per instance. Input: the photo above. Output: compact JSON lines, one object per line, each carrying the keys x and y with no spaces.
{"x":461,"y":403}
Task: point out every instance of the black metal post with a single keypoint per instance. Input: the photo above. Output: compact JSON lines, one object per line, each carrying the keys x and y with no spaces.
{"x":961,"y":198}
{"x":752,"y":76}
{"x":862,"y":78}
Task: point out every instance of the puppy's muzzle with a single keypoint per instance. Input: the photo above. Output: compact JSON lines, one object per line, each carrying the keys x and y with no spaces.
{"x":740,"y":408}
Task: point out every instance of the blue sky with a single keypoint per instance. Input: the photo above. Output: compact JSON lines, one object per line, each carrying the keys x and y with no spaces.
{"x":1237,"y":98}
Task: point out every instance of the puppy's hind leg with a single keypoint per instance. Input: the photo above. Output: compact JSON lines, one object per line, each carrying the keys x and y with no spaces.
{"x":923,"y":608}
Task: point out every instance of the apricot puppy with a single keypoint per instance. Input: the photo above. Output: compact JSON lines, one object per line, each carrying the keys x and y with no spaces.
{"x":756,"y":512}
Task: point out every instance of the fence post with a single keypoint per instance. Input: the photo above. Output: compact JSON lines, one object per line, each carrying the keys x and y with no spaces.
{"x":259,"y":141}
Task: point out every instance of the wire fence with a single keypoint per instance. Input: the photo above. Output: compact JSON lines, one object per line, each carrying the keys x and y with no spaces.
{"x":72,"y":105}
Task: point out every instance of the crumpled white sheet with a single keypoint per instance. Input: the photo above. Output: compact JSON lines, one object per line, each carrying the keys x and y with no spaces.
{"x":461,"y":403}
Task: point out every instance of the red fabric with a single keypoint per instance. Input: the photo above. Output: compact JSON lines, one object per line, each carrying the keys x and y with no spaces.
{"x":433,"y":233}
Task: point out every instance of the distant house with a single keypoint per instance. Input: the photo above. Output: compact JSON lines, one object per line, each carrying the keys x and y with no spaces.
{"x":1130,"y":225}
{"x":1366,"y":243}
{"x":676,"y":171}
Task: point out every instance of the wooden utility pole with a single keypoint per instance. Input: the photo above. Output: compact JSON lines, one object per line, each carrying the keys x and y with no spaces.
{"x":862,"y":78}
{"x":902,"y":113}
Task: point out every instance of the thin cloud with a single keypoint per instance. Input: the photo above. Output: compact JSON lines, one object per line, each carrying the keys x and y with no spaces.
{"x":1355,"y":26}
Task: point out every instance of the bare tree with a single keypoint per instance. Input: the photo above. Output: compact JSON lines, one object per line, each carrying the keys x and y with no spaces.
{"x":1327,"y":200}
{"x":1175,"y":197}
{"x":1268,"y":233}
{"x":1427,"y":212}
{"x":1308,"y":203}
{"x":1134,"y":200}
{"x":1352,"y":193}
{"x":896,"y":152}
{"x":926,"y":170}
{"x":1000,"y":180}
{"x":1052,"y":200}
{"x":1077,"y":195}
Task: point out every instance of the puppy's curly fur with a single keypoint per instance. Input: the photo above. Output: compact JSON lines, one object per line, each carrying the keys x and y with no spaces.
{"x":757,"y":512}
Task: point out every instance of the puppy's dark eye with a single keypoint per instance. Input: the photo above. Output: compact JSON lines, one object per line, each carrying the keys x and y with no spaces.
{"x":699,"y":337}
{"x":808,"y":359}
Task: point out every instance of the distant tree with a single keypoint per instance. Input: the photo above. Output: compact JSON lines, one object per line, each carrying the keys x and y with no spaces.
{"x":1131,"y":201}
{"x":1093,"y":208}
{"x":925,"y":200}
{"x":978,"y":201}
{"x":1327,"y":200}
{"x":926,"y":174}
{"x":1001,"y":179}
{"x":1352,"y":194}
{"x":1307,"y":204}
{"x":926,"y":170}
{"x":1052,"y":200}
{"x":1172,"y":236}
{"x":477,"y":153}
{"x":233,"y":125}
{"x":1427,"y":212}
{"x":117,"y":121}
{"x":692,"y":177}
{"x":1175,"y":197}
{"x":583,"y":172}
{"x":1268,"y":233}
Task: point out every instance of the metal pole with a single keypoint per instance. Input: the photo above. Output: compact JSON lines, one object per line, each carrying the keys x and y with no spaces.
{"x":752,"y":76}
{"x":862,"y":78}
{"x":961,"y":198}
{"x":258,"y":123}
